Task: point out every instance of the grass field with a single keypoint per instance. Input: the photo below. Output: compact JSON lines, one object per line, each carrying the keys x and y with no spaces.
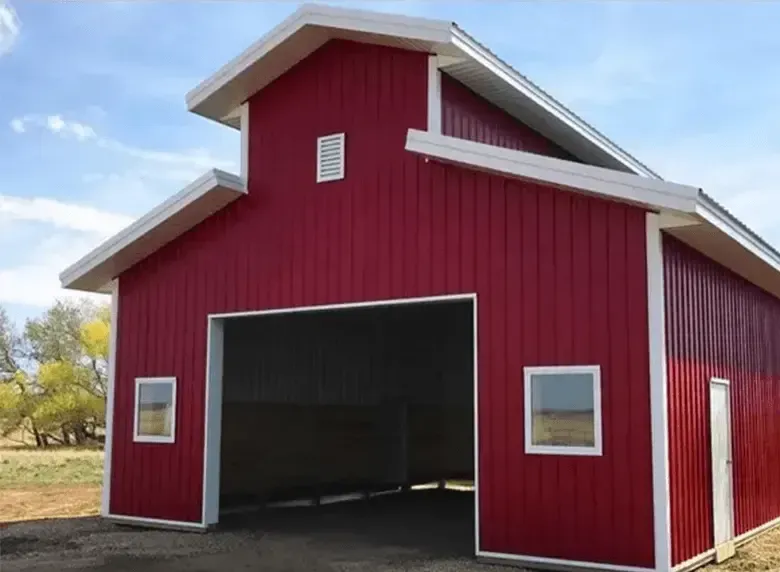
{"x":47,"y":483}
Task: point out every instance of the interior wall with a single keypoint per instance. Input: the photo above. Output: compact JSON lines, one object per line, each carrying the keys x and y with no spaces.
{"x":358,"y":397}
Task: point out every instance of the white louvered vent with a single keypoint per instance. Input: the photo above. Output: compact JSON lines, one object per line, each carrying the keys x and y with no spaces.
{"x":330,"y":157}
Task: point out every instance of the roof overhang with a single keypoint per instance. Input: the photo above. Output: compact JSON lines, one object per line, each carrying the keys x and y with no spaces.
{"x":461,"y":56}
{"x":182,"y":211}
{"x":686,"y":212}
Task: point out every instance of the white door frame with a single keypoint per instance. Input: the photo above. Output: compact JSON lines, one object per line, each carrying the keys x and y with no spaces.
{"x":212,"y":427}
{"x":715,"y":381}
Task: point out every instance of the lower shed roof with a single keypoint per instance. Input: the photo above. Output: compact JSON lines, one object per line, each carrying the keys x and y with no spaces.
{"x":686,"y":212}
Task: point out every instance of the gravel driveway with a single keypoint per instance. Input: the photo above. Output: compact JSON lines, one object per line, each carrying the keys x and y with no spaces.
{"x":424,"y":531}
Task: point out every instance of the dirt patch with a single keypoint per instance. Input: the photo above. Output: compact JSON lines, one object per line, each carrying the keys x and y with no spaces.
{"x":761,"y":555}
{"x":38,"y":502}
{"x":429,"y":531}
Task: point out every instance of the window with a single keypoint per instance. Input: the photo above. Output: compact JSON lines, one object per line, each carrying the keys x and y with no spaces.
{"x":563,"y":410}
{"x":155,"y":410}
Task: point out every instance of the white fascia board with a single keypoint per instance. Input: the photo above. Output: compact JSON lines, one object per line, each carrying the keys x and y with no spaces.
{"x":716,"y":215}
{"x":489,"y":61}
{"x":434,"y":31}
{"x":653,"y":193}
{"x":212,"y":180}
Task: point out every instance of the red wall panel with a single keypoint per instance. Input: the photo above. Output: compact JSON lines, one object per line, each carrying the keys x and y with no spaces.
{"x":561,"y":279}
{"x":719,"y":325}
{"x":466,"y":115}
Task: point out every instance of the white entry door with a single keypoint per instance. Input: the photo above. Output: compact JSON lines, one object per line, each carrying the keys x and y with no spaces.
{"x":720,"y":428}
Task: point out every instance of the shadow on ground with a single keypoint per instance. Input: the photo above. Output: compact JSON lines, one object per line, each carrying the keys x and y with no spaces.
{"x":425,"y":531}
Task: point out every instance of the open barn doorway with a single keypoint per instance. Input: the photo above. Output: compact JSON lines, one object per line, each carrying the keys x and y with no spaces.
{"x":350,"y":402}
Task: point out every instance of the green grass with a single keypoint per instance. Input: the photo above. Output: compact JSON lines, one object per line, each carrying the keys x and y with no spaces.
{"x":23,"y":467}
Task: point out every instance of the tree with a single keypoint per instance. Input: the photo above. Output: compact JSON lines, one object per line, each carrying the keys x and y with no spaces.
{"x":53,"y":378}
{"x":10,"y":347}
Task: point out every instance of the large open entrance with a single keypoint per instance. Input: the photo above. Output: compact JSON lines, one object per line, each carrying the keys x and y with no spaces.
{"x":311,"y":405}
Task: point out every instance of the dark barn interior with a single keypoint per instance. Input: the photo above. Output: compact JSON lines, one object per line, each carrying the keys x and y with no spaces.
{"x":336,"y":401}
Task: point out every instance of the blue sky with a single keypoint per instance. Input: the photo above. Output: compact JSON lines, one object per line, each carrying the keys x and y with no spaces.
{"x":94,"y":129}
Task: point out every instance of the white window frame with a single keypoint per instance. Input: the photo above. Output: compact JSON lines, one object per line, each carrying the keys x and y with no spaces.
{"x":530,"y":448}
{"x":136,"y":411}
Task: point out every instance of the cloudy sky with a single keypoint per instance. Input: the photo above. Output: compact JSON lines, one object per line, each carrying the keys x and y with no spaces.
{"x":94,"y":129}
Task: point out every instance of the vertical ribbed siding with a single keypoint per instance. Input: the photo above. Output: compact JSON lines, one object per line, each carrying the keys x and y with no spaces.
{"x":719,"y":325}
{"x":560,"y":279}
{"x":468,"y":116}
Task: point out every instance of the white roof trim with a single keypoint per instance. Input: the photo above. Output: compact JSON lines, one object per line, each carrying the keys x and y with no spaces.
{"x":727,"y":223}
{"x":437,"y":31}
{"x":653,"y":193}
{"x":479,"y":53}
{"x":185,"y":209}
{"x":441,"y":37}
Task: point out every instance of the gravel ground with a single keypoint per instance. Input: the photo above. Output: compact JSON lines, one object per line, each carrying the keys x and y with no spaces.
{"x":427,"y":531}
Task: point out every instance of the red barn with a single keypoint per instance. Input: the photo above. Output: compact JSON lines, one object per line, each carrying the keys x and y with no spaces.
{"x":428,"y":268}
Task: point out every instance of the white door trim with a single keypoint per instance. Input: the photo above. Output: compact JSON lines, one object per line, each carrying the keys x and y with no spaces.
{"x":212,"y":427}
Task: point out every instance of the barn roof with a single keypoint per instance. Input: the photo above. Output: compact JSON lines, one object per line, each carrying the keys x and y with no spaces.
{"x":175,"y":216}
{"x":687,"y":212}
{"x":461,"y":56}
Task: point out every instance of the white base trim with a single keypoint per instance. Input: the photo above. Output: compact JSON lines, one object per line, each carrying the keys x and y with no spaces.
{"x":156,"y":522}
{"x":751,"y":534}
{"x":556,"y":563}
{"x":741,"y":540}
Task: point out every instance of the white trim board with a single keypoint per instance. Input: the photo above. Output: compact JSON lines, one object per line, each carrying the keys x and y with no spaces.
{"x":244,"y":172}
{"x":182,"y":211}
{"x":656,"y":323}
{"x":312,"y":25}
{"x":509,"y":162}
{"x":213,"y":389}
{"x":105,"y":497}
{"x":156,"y":522}
{"x":434,"y":95}
{"x":557,"y":563}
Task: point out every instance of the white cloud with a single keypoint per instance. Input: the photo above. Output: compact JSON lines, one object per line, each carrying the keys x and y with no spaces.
{"x":56,"y":124}
{"x":17,"y":125}
{"x":34,"y":280}
{"x":10,"y":27}
{"x":61,"y":215}
{"x":200,"y":158}
{"x":36,"y":283}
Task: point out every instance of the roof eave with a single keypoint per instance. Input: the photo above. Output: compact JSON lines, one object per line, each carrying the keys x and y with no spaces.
{"x":326,"y":17}
{"x":651,"y":193}
{"x":555,"y":110}
{"x":176,"y":215}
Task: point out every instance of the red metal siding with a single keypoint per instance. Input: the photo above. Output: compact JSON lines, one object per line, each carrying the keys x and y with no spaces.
{"x":467,"y":115}
{"x":561,"y":279}
{"x":719,"y":325}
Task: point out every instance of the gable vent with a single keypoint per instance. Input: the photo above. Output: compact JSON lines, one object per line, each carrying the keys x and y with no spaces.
{"x":330,"y":158}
